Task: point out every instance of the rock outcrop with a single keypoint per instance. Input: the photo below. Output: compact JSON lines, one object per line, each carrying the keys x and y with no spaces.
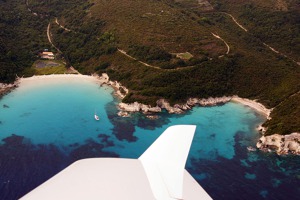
{"x":282,"y":144}
{"x":177,"y":108}
{"x":120,"y":90}
{"x":6,"y":88}
{"x":138,"y":107}
{"x":209,"y":101}
{"x":162,"y":103}
{"x":123,"y":114}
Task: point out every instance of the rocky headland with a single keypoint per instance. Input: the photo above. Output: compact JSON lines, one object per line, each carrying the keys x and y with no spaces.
{"x":120,"y":90}
{"x":161,"y":104}
{"x":282,"y":144}
{"x":177,"y":108}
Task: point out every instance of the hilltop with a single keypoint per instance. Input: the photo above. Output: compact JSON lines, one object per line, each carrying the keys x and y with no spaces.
{"x":172,"y":49}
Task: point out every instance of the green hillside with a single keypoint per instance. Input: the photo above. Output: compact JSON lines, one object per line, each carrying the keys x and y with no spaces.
{"x":245,"y":48}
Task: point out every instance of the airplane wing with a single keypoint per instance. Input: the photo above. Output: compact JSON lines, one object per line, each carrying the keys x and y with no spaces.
{"x":158,"y":174}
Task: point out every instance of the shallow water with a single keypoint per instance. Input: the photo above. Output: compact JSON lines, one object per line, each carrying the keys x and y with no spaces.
{"x":50,"y":124}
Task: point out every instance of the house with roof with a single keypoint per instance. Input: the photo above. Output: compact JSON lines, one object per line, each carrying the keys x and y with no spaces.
{"x":47,"y":55}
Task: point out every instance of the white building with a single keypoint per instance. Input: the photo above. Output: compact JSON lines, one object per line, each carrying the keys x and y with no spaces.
{"x":47,"y":55}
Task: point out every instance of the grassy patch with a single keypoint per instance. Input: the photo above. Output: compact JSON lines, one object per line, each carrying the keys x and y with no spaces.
{"x":46,"y":67}
{"x":184,"y":56}
{"x":51,"y":70}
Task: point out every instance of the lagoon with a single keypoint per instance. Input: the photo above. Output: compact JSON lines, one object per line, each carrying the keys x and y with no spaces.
{"x":49,"y":123}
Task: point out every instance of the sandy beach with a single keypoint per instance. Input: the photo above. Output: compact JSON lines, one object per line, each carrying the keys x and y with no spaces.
{"x":105,"y":79}
{"x":253,"y":104}
{"x":43,"y":79}
{"x":57,"y":77}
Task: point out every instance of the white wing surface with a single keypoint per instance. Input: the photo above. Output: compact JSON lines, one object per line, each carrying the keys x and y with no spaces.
{"x":158,"y":174}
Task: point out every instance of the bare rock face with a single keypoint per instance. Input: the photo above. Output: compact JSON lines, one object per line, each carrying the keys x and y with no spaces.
{"x":154,"y":109}
{"x":120,"y":90}
{"x":192,"y":101}
{"x":166,"y":105}
{"x":137,"y":107}
{"x":183,"y":107}
{"x":214,"y":101}
{"x":177,"y":108}
{"x":282,"y":144}
{"x":123,"y":114}
{"x":208,"y":102}
{"x":133,"y":107}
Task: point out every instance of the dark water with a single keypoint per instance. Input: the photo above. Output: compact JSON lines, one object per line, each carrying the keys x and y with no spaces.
{"x":34,"y":148}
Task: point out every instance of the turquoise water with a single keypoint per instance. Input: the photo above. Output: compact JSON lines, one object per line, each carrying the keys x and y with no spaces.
{"x":56,"y":112}
{"x":50,"y":124}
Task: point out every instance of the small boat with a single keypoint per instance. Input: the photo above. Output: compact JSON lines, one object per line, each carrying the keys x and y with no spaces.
{"x":96,"y":116}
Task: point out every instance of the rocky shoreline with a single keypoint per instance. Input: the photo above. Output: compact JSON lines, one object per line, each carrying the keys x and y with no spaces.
{"x":281,"y":144}
{"x":6,"y":88}
{"x":120,"y":90}
{"x":161,"y":104}
{"x":177,"y":108}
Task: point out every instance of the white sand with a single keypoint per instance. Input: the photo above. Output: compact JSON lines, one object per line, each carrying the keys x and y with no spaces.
{"x":57,"y":78}
{"x":253,"y":104}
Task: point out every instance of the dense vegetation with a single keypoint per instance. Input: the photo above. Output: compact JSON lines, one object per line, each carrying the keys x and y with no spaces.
{"x":21,"y":38}
{"x":154,"y":32}
{"x":275,"y":23}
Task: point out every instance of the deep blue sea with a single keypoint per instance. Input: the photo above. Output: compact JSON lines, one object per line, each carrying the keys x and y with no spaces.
{"x":47,"y":124}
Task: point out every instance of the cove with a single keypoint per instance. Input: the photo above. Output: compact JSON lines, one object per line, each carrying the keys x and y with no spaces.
{"x":49,"y":123}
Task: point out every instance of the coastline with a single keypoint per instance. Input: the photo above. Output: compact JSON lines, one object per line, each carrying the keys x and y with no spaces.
{"x":125,"y":109}
{"x":281,"y":144}
{"x":7,"y":88}
{"x":122,"y":91}
{"x":254,"y":105}
{"x":149,"y":111}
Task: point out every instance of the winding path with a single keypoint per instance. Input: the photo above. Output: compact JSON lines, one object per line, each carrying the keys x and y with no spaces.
{"x":119,"y":50}
{"x":155,"y":67}
{"x":236,"y":22}
{"x":66,"y":29}
{"x":71,"y":69}
{"x":49,"y":38}
{"x":218,"y":37}
{"x":48,"y":27}
{"x":34,"y":13}
{"x":275,"y":51}
{"x":129,"y":56}
{"x":271,"y":48}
